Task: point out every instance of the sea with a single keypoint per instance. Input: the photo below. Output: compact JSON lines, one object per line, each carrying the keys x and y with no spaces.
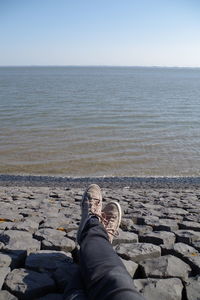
{"x":100,"y":121}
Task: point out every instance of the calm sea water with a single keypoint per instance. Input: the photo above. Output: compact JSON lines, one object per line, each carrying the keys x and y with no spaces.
{"x":95,"y":121}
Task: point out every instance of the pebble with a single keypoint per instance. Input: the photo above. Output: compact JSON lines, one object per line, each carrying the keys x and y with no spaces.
{"x":158,"y":241}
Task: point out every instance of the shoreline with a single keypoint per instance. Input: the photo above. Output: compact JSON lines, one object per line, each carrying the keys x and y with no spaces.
{"x":105,"y":182}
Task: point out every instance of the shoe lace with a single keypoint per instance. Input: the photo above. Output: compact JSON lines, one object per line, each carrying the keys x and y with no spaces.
{"x":93,"y":205}
{"x":106,"y":222}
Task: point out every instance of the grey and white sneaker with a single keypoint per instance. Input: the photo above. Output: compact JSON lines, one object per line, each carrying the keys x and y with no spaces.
{"x":91,"y":205}
{"x":111,"y":218}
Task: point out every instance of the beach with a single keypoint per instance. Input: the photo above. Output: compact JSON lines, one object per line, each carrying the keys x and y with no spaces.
{"x":159,"y":237}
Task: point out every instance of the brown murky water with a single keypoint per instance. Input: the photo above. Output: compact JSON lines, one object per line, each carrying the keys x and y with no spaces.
{"x":96,"y":121}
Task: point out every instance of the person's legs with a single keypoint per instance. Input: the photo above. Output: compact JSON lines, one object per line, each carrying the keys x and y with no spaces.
{"x":104,"y":274}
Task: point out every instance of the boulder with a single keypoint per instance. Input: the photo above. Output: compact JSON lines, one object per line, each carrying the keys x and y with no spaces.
{"x":3,"y":273}
{"x":125,"y":237}
{"x":131,"y":266}
{"x":158,"y":237}
{"x":48,"y":260}
{"x":138,"y":251}
{"x":195,"y":226}
{"x":160,"y":289}
{"x":28,"y":284}
{"x":19,"y":240}
{"x":187,"y":236}
{"x":193,"y":288}
{"x":5,"y":295}
{"x":165,"y":267}
{"x":166,"y":225}
{"x":27,"y":225}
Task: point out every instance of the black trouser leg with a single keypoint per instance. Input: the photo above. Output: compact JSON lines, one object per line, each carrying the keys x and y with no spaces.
{"x":105,"y":276}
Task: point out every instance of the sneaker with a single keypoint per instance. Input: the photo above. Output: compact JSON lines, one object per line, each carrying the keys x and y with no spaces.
{"x":111,"y":216}
{"x":91,"y":204}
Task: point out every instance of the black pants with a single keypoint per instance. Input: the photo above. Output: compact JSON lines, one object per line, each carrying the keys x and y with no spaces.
{"x":104,"y":275}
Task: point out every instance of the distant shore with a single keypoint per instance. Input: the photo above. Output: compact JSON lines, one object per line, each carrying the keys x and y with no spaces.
{"x":105,"y":182}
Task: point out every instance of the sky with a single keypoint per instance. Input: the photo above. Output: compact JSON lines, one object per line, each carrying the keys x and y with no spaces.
{"x":100,"y":32}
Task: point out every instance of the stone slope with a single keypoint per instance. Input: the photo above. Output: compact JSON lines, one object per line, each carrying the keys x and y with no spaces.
{"x":159,"y":240}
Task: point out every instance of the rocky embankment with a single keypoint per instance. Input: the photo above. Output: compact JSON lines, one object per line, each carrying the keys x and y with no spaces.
{"x":159,"y":240}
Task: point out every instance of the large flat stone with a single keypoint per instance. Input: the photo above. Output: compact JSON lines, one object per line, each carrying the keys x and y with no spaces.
{"x":28,"y":284}
{"x":160,"y":289}
{"x":165,"y":267}
{"x":190,"y":225}
{"x":188,"y":254}
{"x":48,"y":260}
{"x":54,"y":240}
{"x":166,"y":225}
{"x":55,"y":243}
{"x":196,"y":245}
{"x":27,"y":225}
{"x":158,"y":237}
{"x":125,"y":237}
{"x":19,"y":240}
{"x":193,"y":288}
{"x":3,"y":273}
{"x":5,"y":260}
{"x":131,"y":266}
{"x":5,"y":295}
{"x":187,"y":236}
{"x":138,"y":251}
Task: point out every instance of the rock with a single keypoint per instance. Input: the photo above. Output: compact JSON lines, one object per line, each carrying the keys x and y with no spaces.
{"x":125,"y":237}
{"x":160,"y":289}
{"x":126,"y":224}
{"x":174,"y":211}
{"x":28,"y":225}
{"x":9,"y":215}
{"x":131,"y":266}
{"x":196,"y":245}
{"x":165,"y":267}
{"x":194,"y":262}
{"x":5,"y":295}
{"x":141,"y":229}
{"x":55,"y":243}
{"x":3,"y":273}
{"x":54,"y":240}
{"x":187,"y":236}
{"x":6,"y":225}
{"x":190,"y":226}
{"x":150,"y":220}
{"x":19,"y":240}
{"x":166,"y":225}
{"x":45,"y":233}
{"x":139,"y":252}
{"x":46,"y":260}
{"x":181,"y":250}
{"x":158,"y":237}
{"x":5,"y":260}
{"x":188,"y":254}
{"x":193,"y":288}
{"x":57,"y":222}
{"x":28,"y":284}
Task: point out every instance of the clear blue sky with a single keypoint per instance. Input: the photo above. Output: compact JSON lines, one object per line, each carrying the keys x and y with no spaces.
{"x":100,"y":32}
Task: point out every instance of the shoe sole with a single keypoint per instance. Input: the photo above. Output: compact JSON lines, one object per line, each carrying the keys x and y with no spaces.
{"x":119,"y":210}
{"x":82,"y":223}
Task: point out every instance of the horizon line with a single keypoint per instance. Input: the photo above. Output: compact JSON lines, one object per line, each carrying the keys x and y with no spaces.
{"x":113,"y":66}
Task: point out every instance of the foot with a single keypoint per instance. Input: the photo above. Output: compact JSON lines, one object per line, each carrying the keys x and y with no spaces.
{"x":91,"y":205}
{"x":111,"y":216}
